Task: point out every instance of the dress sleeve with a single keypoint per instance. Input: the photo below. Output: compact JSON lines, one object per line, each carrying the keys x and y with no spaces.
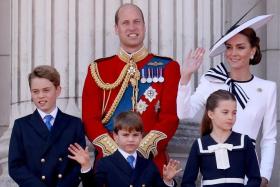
{"x":189,"y":105}
{"x":269,"y":132}
{"x":252,"y":167}
{"x":192,"y":167}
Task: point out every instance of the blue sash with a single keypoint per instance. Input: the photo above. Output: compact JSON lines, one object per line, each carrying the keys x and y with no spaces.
{"x":125,"y":102}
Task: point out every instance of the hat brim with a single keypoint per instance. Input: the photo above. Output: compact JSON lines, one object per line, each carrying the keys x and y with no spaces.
{"x":254,"y":23}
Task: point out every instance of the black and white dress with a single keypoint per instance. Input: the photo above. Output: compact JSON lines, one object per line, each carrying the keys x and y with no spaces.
{"x":222,"y":165}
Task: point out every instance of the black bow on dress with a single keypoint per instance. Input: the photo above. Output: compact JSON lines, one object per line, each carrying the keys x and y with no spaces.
{"x":219,"y":72}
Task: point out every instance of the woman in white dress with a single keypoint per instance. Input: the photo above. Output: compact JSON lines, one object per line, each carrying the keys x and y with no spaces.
{"x":256,"y":97}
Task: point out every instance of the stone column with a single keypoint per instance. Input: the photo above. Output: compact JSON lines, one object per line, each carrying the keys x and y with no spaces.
{"x":5,"y":63}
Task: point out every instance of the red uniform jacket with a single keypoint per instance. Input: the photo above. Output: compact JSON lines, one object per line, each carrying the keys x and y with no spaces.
{"x":160,"y":111}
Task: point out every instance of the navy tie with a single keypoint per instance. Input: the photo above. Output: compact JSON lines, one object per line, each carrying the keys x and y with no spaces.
{"x":47,"y":120}
{"x":130,"y":159}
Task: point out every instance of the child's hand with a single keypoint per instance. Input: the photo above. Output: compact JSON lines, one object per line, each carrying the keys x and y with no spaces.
{"x":170,"y":170}
{"x":80,"y":155}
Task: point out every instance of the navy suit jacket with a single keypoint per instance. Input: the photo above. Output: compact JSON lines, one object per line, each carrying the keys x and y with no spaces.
{"x":114,"y":171}
{"x":38,"y":157}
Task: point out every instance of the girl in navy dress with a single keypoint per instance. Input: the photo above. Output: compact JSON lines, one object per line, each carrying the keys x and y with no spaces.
{"x":222,"y":156}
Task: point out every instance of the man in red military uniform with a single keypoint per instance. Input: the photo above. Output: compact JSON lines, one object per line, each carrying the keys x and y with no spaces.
{"x":134,"y":80}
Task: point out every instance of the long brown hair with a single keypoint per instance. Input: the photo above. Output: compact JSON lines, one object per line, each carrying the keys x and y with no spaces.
{"x":212,"y":103}
{"x":254,"y":40}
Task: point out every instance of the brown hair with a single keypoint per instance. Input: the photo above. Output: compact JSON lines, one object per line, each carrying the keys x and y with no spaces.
{"x":124,"y":5}
{"x":46,"y":72}
{"x":128,"y":121}
{"x":212,"y":103}
{"x":255,"y":42}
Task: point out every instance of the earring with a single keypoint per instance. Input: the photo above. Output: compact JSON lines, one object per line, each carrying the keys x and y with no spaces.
{"x":252,"y":57}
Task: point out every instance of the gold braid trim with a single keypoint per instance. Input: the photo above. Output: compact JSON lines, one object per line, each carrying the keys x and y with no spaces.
{"x":149,"y":143}
{"x":106,"y":86}
{"x":129,"y":73}
{"x":137,"y":56}
{"x":124,"y":76}
{"x":106,"y":143}
{"x":117,"y":100}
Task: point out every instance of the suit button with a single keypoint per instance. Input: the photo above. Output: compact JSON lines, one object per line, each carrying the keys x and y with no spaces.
{"x":60,"y":159}
{"x":43,"y":177}
{"x":131,"y":185}
{"x":43,"y":160}
{"x":59,"y":176}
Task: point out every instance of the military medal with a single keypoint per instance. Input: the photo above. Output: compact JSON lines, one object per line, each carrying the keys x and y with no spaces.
{"x":157,"y":106}
{"x":150,"y":93}
{"x":155,"y":79}
{"x":143,"y":79}
{"x":161,"y":78}
{"x":141,"y":106}
{"x":149,"y":79}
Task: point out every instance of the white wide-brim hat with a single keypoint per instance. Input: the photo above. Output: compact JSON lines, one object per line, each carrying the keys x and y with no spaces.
{"x":254,"y":23}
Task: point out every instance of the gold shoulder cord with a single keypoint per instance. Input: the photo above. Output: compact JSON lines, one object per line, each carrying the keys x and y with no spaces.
{"x":129,"y":73}
{"x":106,"y":86}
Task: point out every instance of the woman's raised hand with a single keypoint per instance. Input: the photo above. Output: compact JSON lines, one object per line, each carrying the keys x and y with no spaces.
{"x":191,"y":64}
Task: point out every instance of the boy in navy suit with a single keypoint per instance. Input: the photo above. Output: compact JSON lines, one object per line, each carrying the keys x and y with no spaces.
{"x":39,"y":141}
{"x":125,"y":167}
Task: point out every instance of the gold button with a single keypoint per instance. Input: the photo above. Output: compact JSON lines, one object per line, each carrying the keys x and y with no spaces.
{"x":59,"y":176}
{"x":43,"y":177}
{"x":43,"y":160}
{"x":60,"y":159}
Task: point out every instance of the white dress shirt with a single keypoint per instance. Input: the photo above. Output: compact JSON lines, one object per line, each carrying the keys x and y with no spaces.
{"x":53,"y":114}
{"x":125,"y":155}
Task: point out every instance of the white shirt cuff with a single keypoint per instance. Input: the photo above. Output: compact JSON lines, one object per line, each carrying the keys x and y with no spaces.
{"x":170,"y":185}
{"x":85,"y":170}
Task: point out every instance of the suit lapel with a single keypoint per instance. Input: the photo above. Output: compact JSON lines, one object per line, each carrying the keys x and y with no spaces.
{"x":139,"y":168}
{"x":60,"y":123}
{"x":120,"y":162}
{"x":39,"y":126}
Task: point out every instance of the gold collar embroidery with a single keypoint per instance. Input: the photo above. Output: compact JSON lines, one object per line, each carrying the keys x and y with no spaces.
{"x":135,"y":57}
